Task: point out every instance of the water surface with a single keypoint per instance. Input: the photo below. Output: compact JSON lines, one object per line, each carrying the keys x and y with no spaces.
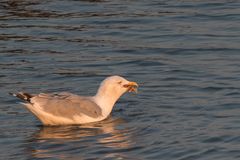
{"x":184,"y":54}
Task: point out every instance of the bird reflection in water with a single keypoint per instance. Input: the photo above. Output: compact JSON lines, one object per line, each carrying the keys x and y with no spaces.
{"x":107,"y":138}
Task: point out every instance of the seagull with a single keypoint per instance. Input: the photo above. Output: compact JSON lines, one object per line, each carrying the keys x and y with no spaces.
{"x":65,"y":108}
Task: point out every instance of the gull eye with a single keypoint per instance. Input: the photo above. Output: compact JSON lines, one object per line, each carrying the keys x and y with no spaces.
{"x":120,"y":82}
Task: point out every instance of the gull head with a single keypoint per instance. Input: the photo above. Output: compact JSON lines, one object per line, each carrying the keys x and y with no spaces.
{"x":115,"y":86}
{"x":110,"y":90}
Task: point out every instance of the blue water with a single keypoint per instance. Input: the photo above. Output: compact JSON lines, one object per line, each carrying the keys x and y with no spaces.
{"x":184,"y":54}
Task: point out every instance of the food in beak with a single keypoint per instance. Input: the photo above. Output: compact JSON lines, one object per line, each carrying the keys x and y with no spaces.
{"x":131,"y":87}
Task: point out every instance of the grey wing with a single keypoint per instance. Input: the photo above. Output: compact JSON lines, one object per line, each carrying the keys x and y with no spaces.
{"x":67,"y":105}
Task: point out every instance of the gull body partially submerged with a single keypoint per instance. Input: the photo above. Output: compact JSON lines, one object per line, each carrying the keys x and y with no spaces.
{"x":66,"y":108}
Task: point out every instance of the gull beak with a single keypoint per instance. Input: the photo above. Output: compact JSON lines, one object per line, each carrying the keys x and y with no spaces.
{"x":131,"y":87}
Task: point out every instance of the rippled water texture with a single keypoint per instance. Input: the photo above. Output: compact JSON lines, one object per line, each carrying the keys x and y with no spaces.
{"x":184,"y":54}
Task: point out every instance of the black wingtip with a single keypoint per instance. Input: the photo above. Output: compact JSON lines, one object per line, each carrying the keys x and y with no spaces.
{"x":22,"y":96}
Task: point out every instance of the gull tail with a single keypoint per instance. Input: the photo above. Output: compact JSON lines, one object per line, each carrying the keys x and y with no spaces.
{"x":23,"y":96}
